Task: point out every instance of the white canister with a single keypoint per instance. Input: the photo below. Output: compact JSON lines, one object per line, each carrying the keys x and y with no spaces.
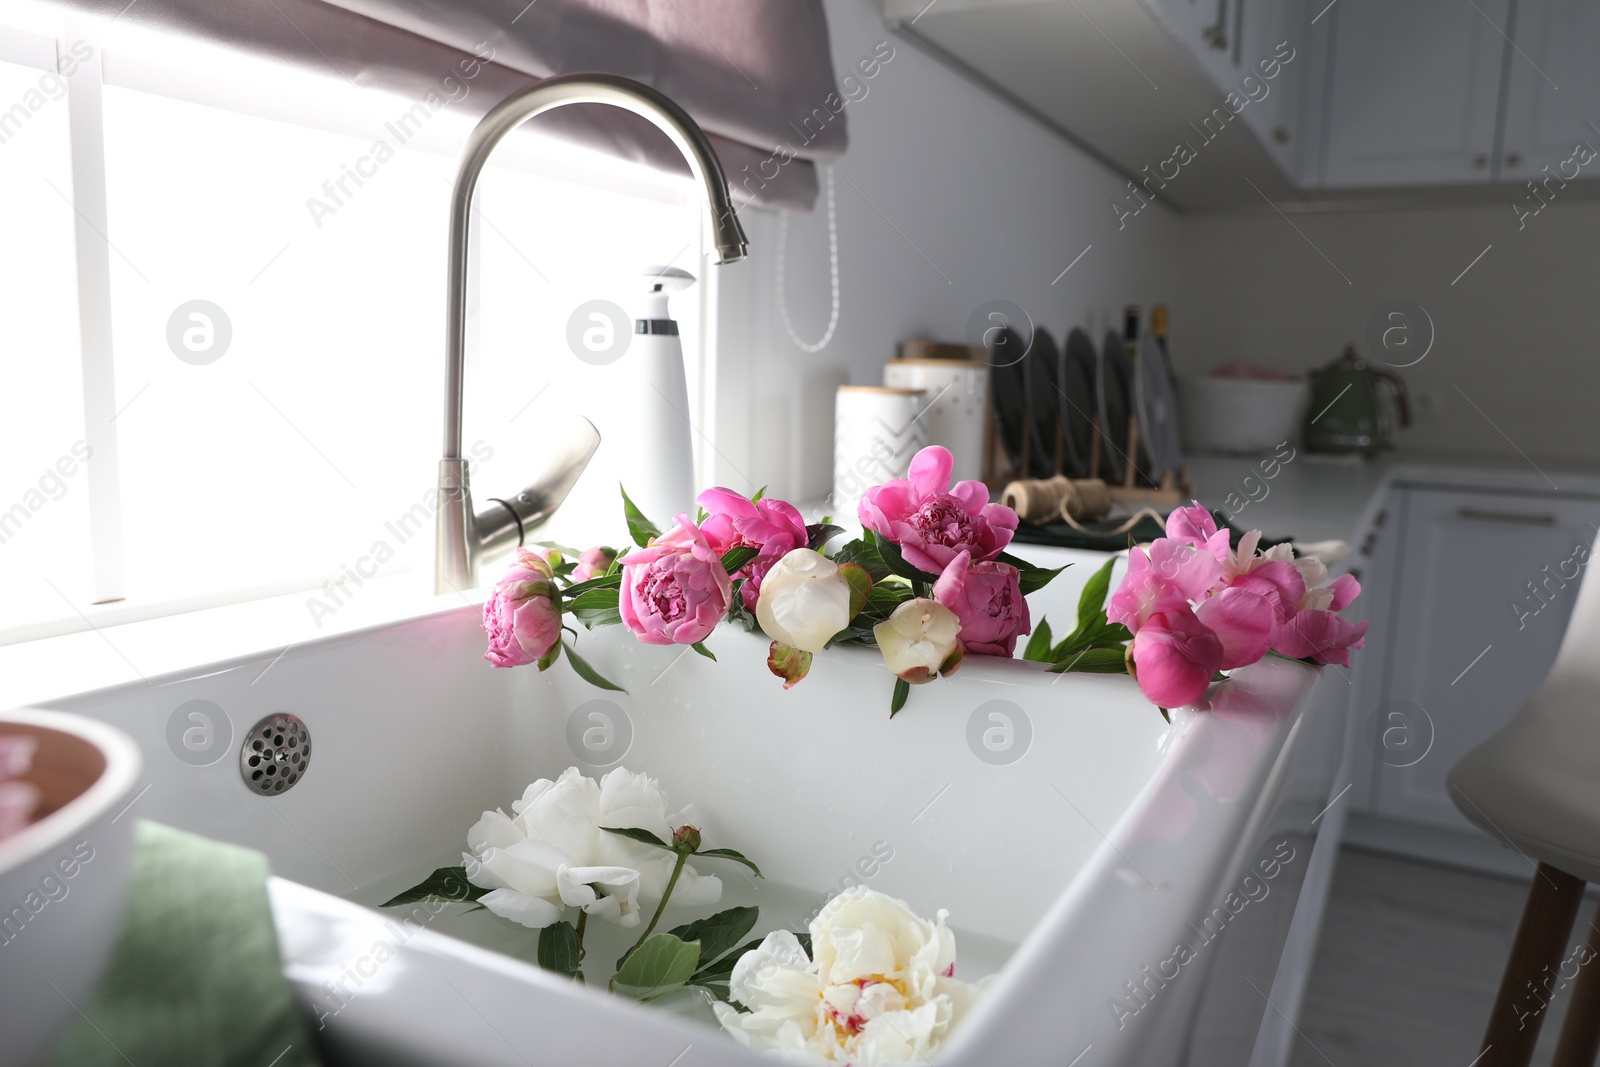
{"x":876,"y":431}
{"x":957,"y":405}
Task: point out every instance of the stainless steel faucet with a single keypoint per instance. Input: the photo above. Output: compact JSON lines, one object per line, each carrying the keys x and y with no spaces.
{"x":465,"y":536}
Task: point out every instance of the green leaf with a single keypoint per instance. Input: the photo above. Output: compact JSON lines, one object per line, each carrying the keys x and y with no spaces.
{"x":548,"y":660}
{"x":446,"y":883}
{"x":588,"y":673}
{"x":558,"y":949}
{"x":1094,"y":661}
{"x":737,"y":556}
{"x":860,"y":586}
{"x":729,"y":854}
{"x":639,"y":527}
{"x":700,"y":647}
{"x":804,"y":937}
{"x":820,"y":533}
{"x":1038,"y":648}
{"x":758,"y":495}
{"x":1164,"y":714}
{"x":902,"y":690}
{"x":612,"y":579}
{"x":595,"y":607}
{"x":714,"y":977}
{"x":788,"y":663}
{"x":1092,"y":601}
{"x":892,"y":558}
{"x":657,"y":967}
{"x":1032,"y":579}
{"x":866,"y":555}
{"x":639,"y":834}
{"x":718,"y":933}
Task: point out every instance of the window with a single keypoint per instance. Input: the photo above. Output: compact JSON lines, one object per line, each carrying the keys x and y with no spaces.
{"x":275,"y":244}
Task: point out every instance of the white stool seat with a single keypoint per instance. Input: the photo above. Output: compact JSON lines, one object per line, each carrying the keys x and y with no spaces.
{"x":1536,"y":783}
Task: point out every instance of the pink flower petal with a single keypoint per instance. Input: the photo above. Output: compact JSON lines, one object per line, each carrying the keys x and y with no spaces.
{"x":1321,"y":636}
{"x":930,"y":469}
{"x":1175,"y":656}
{"x":1243,"y":621}
{"x":1345,"y":589}
{"x":1276,"y":580}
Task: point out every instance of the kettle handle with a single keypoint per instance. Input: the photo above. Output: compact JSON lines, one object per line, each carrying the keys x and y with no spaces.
{"x":1398,"y":385}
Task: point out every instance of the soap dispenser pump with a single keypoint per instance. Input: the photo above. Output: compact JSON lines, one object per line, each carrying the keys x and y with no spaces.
{"x":660,"y":479}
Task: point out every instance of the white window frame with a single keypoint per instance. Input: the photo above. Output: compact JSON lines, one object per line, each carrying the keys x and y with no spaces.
{"x":162,"y":75}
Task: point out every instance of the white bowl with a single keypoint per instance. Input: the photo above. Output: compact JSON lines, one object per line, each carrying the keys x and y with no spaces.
{"x":1239,"y":415}
{"x":63,"y":879}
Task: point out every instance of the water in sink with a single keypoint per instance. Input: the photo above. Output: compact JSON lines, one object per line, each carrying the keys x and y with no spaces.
{"x":783,"y":906}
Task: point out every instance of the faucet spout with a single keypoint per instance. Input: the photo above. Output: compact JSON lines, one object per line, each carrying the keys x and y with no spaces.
{"x":459,"y":544}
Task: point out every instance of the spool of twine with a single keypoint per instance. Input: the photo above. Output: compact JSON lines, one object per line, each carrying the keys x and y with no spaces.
{"x":1068,"y":500}
{"x":1039,"y":500}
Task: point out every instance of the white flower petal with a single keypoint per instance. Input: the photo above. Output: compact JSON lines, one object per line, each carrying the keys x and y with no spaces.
{"x":533,"y":912}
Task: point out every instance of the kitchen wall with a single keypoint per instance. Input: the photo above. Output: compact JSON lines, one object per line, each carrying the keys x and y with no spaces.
{"x":946,"y":199}
{"x":1514,"y":335}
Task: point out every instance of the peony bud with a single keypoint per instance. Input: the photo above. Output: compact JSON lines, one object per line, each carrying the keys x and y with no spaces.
{"x":920,"y":641}
{"x":686,"y":836}
{"x":804,"y":600}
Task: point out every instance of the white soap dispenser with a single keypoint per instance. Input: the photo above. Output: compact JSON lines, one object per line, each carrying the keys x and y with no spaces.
{"x":660,"y":477}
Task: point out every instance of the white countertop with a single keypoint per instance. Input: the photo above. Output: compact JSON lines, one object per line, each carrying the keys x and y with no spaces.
{"x":1316,"y":498}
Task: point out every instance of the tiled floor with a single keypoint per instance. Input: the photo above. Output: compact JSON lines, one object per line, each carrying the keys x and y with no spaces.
{"x":1408,"y":965}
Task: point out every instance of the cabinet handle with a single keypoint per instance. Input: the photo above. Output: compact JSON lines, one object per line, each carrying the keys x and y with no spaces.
{"x":1522,"y":518}
{"x":1513,"y":159}
{"x":1480,"y":161}
{"x":1280,"y":135}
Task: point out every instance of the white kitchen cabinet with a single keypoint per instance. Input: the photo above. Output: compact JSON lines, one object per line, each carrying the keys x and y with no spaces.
{"x":1264,"y":25}
{"x":1466,"y":638}
{"x":1553,"y":86}
{"x":1412,"y":91}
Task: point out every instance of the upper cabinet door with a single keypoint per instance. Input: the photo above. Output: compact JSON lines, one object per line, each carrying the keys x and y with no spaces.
{"x":1554,"y":91}
{"x":1413,"y":91}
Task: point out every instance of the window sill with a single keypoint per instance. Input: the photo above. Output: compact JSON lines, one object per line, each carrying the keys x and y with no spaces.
{"x":33,"y":672}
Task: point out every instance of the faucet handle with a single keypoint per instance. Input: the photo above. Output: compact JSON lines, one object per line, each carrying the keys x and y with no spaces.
{"x":512,"y":518}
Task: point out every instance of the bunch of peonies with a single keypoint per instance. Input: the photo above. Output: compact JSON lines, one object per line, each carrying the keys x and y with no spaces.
{"x":551,"y":853}
{"x":878,"y":988}
{"x":1195,"y":607}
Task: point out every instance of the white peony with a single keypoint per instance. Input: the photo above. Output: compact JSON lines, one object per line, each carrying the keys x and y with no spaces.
{"x":804,"y":600}
{"x":920,"y":640}
{"x":552,"y":853}
{"x":879,"y":991}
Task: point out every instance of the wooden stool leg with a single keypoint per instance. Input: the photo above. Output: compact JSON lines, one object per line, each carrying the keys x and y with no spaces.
{"x":1541,"y":939}
{"x":1580,"y":1037}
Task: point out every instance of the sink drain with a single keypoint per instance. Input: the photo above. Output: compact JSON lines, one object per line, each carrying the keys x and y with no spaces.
{"x":276,"y":753}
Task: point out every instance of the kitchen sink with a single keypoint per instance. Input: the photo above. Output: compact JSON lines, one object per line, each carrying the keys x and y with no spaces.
{"x":1075,"y":837}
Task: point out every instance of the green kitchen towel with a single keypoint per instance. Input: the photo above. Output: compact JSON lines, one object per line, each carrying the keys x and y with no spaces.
{"x":196,"y":978}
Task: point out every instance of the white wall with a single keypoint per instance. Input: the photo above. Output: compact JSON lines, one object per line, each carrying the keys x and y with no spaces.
{"x":1517,"y":334}
{"x":987,"y":205}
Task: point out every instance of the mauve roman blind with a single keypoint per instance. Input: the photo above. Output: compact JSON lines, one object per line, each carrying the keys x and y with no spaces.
{"x":756,"y":74}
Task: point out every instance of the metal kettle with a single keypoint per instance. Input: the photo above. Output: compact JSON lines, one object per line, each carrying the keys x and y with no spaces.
{"x":1348,"y":412}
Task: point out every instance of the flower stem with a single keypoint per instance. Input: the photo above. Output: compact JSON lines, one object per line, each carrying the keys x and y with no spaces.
{"x":677,"y":869}
{"x":583,"y":920}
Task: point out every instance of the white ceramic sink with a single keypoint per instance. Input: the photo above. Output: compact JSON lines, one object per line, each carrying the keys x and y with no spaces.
{"x":1070,"y":861}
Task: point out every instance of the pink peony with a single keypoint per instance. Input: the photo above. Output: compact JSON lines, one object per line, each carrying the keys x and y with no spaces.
{"x":1164,"y":570}
{"x":593,"y":562}
{"x":933,"y":521}
{"x":1175,"y":655}
{"x":520,"y":616}
{"x":674,"y":592}
{"x":987,"y":598}
{"x":775,"y":527}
